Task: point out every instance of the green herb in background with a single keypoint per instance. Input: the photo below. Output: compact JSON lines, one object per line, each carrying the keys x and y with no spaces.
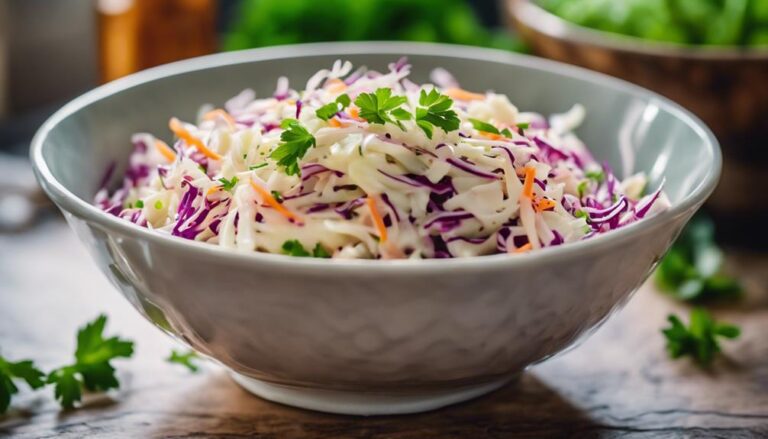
{"x":91,"y":369}
{"x":23,"y":370}
{"x":186,"y":359}
{"x":699,"y":339}
{"x":708,"y":22}
{"x":691,"y":270}
{"x":261,"y":23}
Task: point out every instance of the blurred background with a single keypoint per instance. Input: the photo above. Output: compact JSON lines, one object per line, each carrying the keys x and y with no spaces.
{"x":709,"y":55}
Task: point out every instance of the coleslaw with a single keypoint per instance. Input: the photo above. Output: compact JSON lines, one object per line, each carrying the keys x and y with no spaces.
{"x":366,"y":164}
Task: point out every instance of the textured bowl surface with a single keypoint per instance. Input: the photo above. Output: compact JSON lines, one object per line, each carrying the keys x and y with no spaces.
{"x":376,"y":327}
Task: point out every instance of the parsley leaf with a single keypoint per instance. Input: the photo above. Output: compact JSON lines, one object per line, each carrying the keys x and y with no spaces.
{"x":597,"y":176}
{"x":691,"y":270}
{"x":436,"y":111}
{"x":582,"y":188}
{"x":24,"y":370}
{"x":327,"y":111}
{"x":259,"y":166}
{"x":320,"y":252}
{"x":92,"y":368}
{"x":506,"y":132}
{"x":228,"y":185}
{"x":186,"y":359}
{"x":294,"y":248}
{"x":523,"y":125}
{"x":277,"y":196}
{"x":484,"y":126}
{"x":381,"y":107}
{"x":139,"y":204}
{"x":699,"y":339}
{"x":296,"y":141}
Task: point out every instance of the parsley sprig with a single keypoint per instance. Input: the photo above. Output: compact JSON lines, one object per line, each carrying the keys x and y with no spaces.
{"x":228,"y":185}
{"x":327,"y":111}
{"x":435,"y":111}
{"x":692,"y":269}
{"x":699,"y":339}
{"x":10,"y":371}
{"x":296,"y":141}
{"x":490,"y":128}
{"x":92,"y":368}
{"x":295,"y":248}
{"x":186,"y":359}
{"x":380,"y":107}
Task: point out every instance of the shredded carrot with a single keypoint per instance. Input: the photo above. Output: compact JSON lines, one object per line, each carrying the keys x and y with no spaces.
{"x":182,"y":133}
{"x":544,"y":204}
{"x":335,"y":123}
{"x":165,"y":150}
{"x":463,"y":95}
{"x":213,"y":114}
{"x":335,"y":85}
{"x":273,"y":203}
{"x":530,"y":174}
{"x":354,"y":113}
{"x":523,"y":248}
{"x":492,"y":136}
{"x":377,"y":219}
{"x":212,"y":190}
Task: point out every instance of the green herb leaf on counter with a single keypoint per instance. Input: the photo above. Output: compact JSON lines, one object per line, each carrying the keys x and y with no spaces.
{"x":92,"y":368}
{"x":699,"y":339}
{"x":23,"y":370}
{"x":327,"y":111}
{"x":435,"y":111}
{"x":381,"y":107}
{"x":186,"y":359}
{"x":296,"y":141}
{"x":295,"y":248}
{"x":691,"y":270}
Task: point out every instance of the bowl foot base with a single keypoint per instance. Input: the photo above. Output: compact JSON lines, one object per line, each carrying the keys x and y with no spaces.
{"x":364,"y":403}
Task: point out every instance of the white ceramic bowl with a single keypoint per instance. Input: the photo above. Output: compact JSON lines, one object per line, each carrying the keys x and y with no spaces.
{"x":375,"y":337}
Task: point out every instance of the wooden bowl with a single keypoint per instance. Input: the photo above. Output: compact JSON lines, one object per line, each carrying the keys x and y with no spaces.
{"x":727,"y":87}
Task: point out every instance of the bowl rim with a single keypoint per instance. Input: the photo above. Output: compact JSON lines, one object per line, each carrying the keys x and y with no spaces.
{"x":541,"y":20}
{"x":69,"y":202}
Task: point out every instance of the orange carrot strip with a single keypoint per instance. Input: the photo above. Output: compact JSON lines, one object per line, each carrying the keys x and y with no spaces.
{"x":176,"y":126}
{"x":213,"y":114}
{"x":212,"y":190}
{"x":492,"y":136}
{"x":530,"y":174}
{"x":335,"y":123}
{"x":544,"y":204}
{"x":463,"y":95}
{"x":377,"y":218}
{"x":354,"y":113}
{"x":335,"y":85}
{"x":165,"y":150}
{"x":523,"y":248}
{"x":273,"y":203}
